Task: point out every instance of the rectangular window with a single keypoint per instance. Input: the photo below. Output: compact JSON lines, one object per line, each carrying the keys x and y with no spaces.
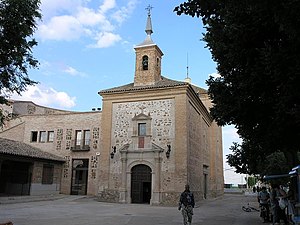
{"x":34,"y":136}
{"x":48,"y":171}
{"x":78,"y":137}
{"x":142,"y":129}
{"x":86,"y":137}
{"x":43,"y":136}
{"x":50,"y":136}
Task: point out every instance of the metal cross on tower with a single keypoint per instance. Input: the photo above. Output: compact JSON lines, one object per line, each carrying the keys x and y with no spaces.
{"x":149,"y":8}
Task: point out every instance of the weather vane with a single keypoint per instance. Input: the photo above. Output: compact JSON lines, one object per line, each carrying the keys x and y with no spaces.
{"x":149,"y":9}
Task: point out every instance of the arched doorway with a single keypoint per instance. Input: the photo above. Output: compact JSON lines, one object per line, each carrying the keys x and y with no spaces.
{"x":141,"y":184}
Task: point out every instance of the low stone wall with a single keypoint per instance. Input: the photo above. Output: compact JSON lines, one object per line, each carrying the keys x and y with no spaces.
{"x":108,"y":196}
{"x":234,"y":191}
{"x":170,"y":198}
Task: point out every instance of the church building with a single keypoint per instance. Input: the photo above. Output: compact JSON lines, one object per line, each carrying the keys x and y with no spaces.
{"x":151,"y":137}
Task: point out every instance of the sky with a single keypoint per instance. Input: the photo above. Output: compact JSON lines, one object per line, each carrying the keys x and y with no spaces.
{"x":85,"y":46}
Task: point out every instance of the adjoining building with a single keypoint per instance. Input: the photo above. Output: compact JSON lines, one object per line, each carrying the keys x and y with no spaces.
{"x":74,"y":136}
{"x":26,"y":170}
{"x":151,"y":137}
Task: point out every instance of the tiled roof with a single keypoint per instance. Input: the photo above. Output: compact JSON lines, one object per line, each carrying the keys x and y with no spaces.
{"x":163,"y":83}
{"x":17,"y":148}
{"x":199,"y":90}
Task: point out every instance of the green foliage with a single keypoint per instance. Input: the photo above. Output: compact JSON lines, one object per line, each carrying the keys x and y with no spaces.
{"x":256,"y":46}
{"x":244,"y":160}
{"x":17,"y":25}
{"x":251,"y":181}
{"x":277,"y":164}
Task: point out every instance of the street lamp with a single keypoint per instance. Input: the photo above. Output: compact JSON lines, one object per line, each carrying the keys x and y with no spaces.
{"x":168,"y":151}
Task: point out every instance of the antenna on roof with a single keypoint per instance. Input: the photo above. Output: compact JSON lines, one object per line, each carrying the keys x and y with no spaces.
{"x":187,"y":65}
{"x":187,"y":79}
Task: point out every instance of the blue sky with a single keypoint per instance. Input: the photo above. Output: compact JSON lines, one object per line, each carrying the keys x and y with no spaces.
{"x":86,"y":46}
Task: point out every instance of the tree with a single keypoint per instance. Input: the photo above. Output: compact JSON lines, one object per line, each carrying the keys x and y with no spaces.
{"x":256,"y":47}
{"x":17,"y":25}
{"x":251,"y":181}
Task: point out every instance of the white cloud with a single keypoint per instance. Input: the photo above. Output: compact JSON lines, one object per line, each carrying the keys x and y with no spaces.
{"x":124,"y":12}
{"x":58,"y":69}
{"x":72,"y":71}
{"x":51,"y":8}
{"x":106,"y":39}
{"x":44,"y":64}
{"x":230,"y":131}
{"x":88,"y":17}
{"x":230,"y":135}
{"x":61,"y":28}
{"x":68,"y":20}
{"x":46,"y":96}
{"x":107,"y":5}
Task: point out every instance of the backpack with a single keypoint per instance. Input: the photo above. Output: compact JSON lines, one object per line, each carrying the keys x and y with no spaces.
{"x":187,"y":198}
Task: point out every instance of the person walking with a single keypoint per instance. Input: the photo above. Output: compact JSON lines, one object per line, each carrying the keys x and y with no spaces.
{"x":186,"y":205}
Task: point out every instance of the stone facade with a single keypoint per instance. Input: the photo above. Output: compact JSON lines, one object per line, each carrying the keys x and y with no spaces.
{"x":177,"y":118}
{"x":152,"y":73}
{"x":63,"y":125}
{"x":151,"y":138}
{"x":37,"y":188}
{"x":180,"y":143}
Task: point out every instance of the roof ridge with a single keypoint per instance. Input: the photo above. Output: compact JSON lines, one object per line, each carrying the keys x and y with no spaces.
{"x":163,"y":82}
{"x":12,"y":147}
{"x":12,"y":126}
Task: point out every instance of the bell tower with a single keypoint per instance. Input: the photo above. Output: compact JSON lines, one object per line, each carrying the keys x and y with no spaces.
{"x":148,"y":58}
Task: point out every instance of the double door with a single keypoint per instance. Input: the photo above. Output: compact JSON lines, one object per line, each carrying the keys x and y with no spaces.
{"x":141,"y":184}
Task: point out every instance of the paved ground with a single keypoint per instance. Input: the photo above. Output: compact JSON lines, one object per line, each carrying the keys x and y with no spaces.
{"x":73,"y":210}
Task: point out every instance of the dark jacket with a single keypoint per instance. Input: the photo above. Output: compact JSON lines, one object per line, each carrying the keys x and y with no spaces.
{"x":187,"y":198}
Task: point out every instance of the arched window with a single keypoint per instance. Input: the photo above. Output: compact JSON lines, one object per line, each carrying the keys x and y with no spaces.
{"x":145,"y":62}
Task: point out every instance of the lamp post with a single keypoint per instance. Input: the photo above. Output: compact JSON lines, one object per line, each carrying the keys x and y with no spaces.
{"x":168,"y":151}
{"x":112,"y":154}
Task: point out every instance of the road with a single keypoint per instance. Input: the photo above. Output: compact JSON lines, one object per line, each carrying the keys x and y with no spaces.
{"x":79,"y":210}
